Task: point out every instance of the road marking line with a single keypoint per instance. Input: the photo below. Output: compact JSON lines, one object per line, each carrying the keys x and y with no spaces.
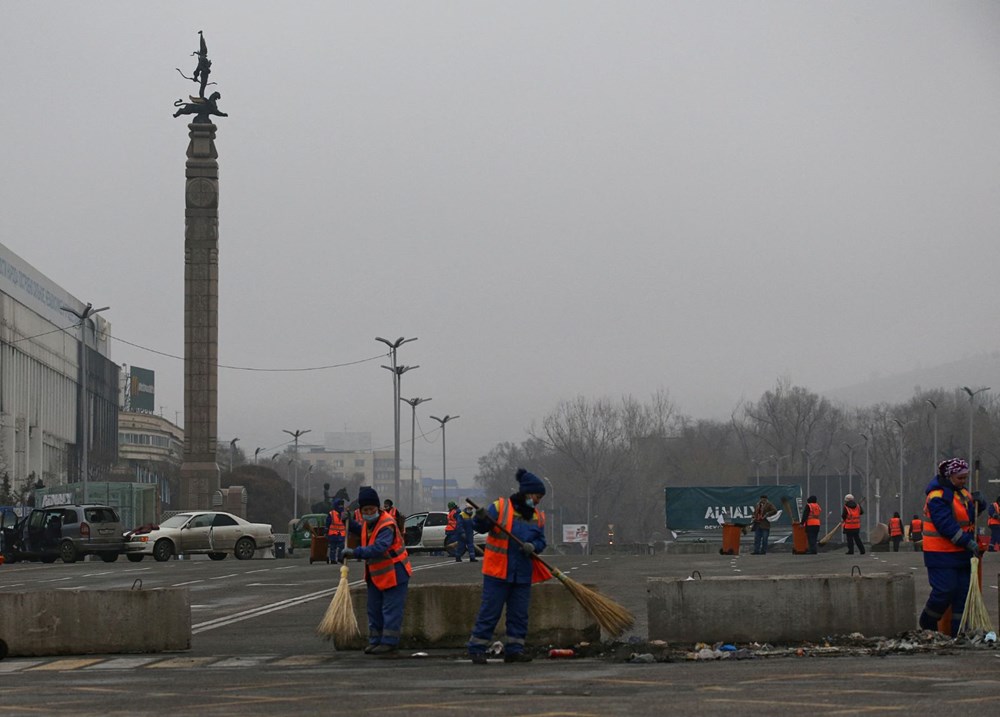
{"x":301,"y":660}
{"x":239,"y":661}
{"x":58,"y":665}
{"x":56,"y":580}
{"x":94,"y":575}
{"x":259,"y":570}
{"x":273,"y":585}
{"x":181,"y":663}
{"x":123,"y":663}
{"x":223,"y":577}
{"x":15,"y":666}
{"x":189,"y":582}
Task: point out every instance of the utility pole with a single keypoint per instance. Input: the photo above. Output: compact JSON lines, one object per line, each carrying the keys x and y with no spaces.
{"x":414,"y":402}
{"x":393,"y":346}
{"x":444,"y":461}
{"x":295,"y":434}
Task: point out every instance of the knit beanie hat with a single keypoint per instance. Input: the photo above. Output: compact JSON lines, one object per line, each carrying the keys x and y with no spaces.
{"x":529,"y":482}
{"x":952,"y":467}
{"x":367,"y":496}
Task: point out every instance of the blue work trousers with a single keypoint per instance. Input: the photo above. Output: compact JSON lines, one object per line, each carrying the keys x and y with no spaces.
{"x":336,"y":544}
{"x":949,"y":588}
{"x":496,"y":594}
{"x":465,"y":543}
{"x":995,"y":537}
{"x":760,"y":536}
{"x":385,"y":614}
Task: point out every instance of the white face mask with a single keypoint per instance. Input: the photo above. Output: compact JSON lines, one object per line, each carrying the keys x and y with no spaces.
{"x":370,"y":518}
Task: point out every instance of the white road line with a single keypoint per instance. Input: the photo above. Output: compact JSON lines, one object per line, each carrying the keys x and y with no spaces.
{"x":77,"y":587}
{"x":94,"y":575}
{"x":283,"y":604}
{"x":223,"y":577}
{"x":189,"y":582}
{"x":259,"y":570}
{"x":272,"y":585}
{"x":56,"y":580}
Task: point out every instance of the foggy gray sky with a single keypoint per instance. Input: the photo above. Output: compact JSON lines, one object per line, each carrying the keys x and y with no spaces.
{"x":558,"y":199}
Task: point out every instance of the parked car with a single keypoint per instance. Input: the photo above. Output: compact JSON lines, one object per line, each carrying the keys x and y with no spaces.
{"x":425,"y":531}
{"x":69,"y":532}
{"x":199,"y":531}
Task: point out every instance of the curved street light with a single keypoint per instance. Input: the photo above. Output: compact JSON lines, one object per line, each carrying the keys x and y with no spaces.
{"x":393,"y":346}
{"x":444,"y":464}
{"x":295,"y":501}
{"x":414,"y":402}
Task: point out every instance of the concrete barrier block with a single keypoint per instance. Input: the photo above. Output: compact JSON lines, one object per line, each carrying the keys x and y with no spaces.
{"x":692,"y":548}
{"x":441,"y":615}
{"x":78,"y":622}
{"x":788,"y":608}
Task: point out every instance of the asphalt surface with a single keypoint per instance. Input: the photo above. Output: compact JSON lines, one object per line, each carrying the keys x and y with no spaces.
{"x":254,"y":651}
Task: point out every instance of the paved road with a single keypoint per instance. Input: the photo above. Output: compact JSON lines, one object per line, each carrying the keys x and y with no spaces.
{"x":254,"y":651}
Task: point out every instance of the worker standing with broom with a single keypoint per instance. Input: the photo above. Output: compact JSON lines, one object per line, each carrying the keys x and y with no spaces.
{"x":949,"y":541}
{"x":387,"y":572}
{"x":508,"y":570}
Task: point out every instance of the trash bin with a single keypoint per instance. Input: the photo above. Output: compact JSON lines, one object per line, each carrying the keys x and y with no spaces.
{"x":731,"y":539}
{"x":319,"y":547}
{"x":279,"y":549}
{"x":800,"y":539}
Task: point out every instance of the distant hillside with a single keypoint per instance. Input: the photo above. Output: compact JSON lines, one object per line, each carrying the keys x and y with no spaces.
{"x":977,"y":371}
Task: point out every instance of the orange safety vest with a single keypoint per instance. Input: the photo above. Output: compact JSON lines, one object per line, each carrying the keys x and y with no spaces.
{"x":814,"y":511}
{"x":934,"y":542}
{"x":382,"y":571}
{"x":995,"y":518}
{"x":336,"y":524}
{"x":916,"y":527}
{"x":853,"y":521}
{"x":497,"y":542}
{"x":895,"y":527}
{"x":452,"y":521}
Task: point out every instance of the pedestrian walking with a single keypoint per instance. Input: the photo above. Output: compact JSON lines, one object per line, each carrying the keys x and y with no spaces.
{"x":389,"y":507}
{"x":811,"y":520}
{"x":916,"y":532}
{"x":508,"y":569}
{"x":994,"y":523}
{"x":761,"y":525}
{"x":850,"y":516}
{"x":949,"y":537}
{"x":387,"y":572}
{"x":336,"y":531}
{"x":895,"y":531}
{"x":465,"y":533}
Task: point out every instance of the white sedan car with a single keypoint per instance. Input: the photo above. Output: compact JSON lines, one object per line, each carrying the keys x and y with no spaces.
{"x":425,"y":531}
{"x":199,"y":531}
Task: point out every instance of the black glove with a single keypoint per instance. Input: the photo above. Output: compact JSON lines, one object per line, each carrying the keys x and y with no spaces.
{"x":978,"y":497}
{"x":973,"y":547}
{"x":348,"y":553}
{"x":482,"y":514}
{"x":528,"y":549}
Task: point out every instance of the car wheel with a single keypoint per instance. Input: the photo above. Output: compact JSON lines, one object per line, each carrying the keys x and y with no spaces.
{"x":109,"y":557}
{"x":163,"y":550}
{"x":217,"y":556}
{"x":67,"y":551}
{"x":244,"y":549}
{"x":134,"y":557}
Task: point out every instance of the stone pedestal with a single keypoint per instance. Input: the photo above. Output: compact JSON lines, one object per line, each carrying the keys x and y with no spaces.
{"x":199,"y":472}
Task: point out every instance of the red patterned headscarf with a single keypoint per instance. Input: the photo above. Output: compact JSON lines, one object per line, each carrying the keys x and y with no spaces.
{"x":952,"y":467}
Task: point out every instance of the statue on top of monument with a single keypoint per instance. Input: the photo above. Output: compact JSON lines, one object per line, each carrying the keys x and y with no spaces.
{"x":200,"y":106}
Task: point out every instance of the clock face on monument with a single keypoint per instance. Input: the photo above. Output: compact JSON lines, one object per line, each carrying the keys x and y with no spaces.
{"x":201,"y":193}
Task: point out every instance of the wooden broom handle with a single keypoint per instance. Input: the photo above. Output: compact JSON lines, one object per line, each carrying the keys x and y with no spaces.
{"x":513,"y":537}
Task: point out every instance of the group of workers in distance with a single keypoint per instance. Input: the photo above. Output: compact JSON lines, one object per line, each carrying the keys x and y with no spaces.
{"x":515,"y":531}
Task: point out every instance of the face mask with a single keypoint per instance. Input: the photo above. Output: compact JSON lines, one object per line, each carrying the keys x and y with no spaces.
{"x":468,"y":511}
{"x":370,"y":518}
{"x":530,"y":502}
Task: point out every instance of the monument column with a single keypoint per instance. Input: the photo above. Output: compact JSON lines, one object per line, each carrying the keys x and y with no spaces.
{"x":199,"y":471}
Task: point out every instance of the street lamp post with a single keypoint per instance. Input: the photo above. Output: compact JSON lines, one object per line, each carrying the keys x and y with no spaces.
{"x":414,"y":402}
{"x":850,"y":467}
{"x":232,"y":453}
{"x":901,"y":425}
{"x":444,"y":464}
{"x":295,"y":469}
{"x":397,"y":392}
{"x":777,"y":470}
{"x":393,"y":346}
{"x":972,"y":413}
{"x":84,"y":400}
{"x":255,"y":454}
{"x":809,"y":455}
{"x":308,"y":481}
{"x":868,"y":518}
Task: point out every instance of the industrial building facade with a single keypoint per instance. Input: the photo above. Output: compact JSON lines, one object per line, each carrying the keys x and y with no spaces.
{"x":40,"y":361}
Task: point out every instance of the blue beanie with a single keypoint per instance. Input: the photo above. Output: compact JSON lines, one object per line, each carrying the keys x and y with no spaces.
{"x":529,"y":482}
{"x":367,"y":496}
{"x":338,"y":504}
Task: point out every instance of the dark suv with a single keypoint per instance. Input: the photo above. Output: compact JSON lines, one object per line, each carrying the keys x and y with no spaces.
{"x":69,"y":532}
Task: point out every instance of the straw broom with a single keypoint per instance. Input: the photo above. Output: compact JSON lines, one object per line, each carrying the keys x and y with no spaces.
{"x":826,"y":538}
{"x":975,"y":616}
{"x":612,"y":617}
{"x":340,"y":623}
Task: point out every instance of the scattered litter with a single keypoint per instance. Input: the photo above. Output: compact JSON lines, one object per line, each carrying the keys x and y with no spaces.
{"x":991,"y":637}
{"x":657,"y":643}
{"x":420,"y":654}
{"x":557,"y":652}
{"x":495,"y":649}
{"x":645,"y":657}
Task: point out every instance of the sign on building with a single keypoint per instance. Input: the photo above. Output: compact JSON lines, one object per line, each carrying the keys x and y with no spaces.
{"x":141,"y":394}
{"x":707,"y":508}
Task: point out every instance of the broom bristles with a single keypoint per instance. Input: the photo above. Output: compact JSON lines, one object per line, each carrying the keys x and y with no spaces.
{"x":339,"y":623}
{"x":612,"y":617}
{"x":975,"y":616}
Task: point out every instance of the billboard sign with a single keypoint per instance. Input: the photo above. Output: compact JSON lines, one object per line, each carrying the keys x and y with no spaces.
{"x":707,"y":508}
{"x":575,"y":533}
{"x":140,"y":390}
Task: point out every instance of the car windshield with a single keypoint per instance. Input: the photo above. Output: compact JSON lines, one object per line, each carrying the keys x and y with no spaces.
{"x":176,"y":521}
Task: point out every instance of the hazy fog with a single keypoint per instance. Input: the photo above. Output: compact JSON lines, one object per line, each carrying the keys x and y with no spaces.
{"x":557,"y":198}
